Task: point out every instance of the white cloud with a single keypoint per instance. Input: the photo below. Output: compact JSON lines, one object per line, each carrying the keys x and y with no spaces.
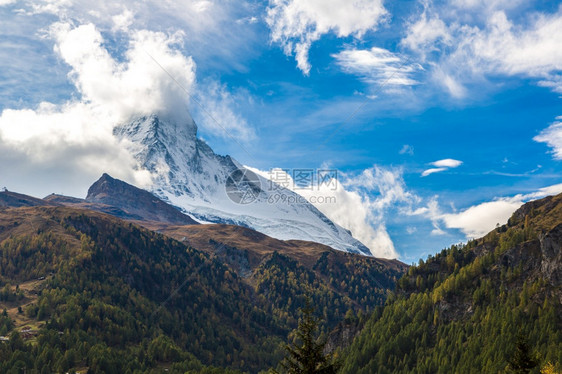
{"x":247,"y":20}
{"x":485,"y":6}
{"x":219,"y":112}
{"x":50,"y":6}
{"x":122,"y":22}
{"x":542,"y":192}
{"x":407,"y":150}
{"x":447,"y":163}
{"x":427,"y":172}
{"x":141,"y":85}
{"x":76,"y":135}
{"x":460,"y":49}
{"x":552,"y":81}
{"x":535,"y":51}
{"x":361,"y":203}
{"x":441,"y":165}
{"x":151,"y":75}
{"x":477,"y":220}
{"x":378,"y":66}
{"x":426,"y":33}
{"x":296,"y":24}
{"x":480,"y":219}
{"x":452,"y":84}
{"x":7,"y":2}
{"x":552,"y":136}
{"x":194,"y":14}
{"x":204,"y":21}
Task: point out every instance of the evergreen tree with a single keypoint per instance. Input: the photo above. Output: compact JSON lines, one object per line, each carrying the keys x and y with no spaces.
{"x":306,"y":355}
{"x":522,"y":360}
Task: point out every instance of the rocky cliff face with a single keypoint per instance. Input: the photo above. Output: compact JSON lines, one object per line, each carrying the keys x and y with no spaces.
{"x":342,"y":336}
{"x":551,"y":255}
{"x":134,"y":202}
{"x":543,"y":218}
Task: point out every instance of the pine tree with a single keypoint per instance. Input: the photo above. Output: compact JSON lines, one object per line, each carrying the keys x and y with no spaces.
{"x":306,"y":355}
{"x":522,"y":360}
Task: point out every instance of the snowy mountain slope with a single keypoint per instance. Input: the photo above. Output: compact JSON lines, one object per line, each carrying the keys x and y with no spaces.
{"x":212,"y":188}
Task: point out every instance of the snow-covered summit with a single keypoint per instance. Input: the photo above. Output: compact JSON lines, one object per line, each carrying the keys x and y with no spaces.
{"x":213,"y":188}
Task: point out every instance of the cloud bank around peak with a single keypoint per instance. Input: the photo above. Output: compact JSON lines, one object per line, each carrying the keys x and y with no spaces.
{"x":141,"y":84}
{"x":360,"y":203}
{"x":74,"y":138}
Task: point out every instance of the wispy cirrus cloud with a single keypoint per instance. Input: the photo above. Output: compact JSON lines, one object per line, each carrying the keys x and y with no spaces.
{"x":378,"y":66}
{"x":486,"y":42}
{"x":296,"y":24}
{"x":406,"y":150}
{"x":203,"y":21}
{"x":219,"y":111}
{"x":552,"y":136}
{"x":430,"y":171}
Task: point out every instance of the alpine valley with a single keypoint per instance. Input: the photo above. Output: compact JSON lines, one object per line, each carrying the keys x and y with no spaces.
{"x":186,"y":279}
{"x":123,"y":282}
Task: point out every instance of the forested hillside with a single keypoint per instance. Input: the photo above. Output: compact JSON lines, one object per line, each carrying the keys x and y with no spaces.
{"x":83,"y":290}
{"x":461,"y":310}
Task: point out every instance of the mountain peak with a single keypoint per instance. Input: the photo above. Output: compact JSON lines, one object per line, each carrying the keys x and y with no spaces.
{"x":159,"y":128}
{"x":187,"y":173}
{"x":100,"y":188}
{"x":135,"y":201}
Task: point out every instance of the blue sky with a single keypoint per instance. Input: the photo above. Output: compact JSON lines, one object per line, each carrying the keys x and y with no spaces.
{"x":381,"y":91}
